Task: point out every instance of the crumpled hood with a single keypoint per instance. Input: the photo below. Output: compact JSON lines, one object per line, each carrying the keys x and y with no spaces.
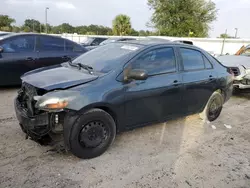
{"x":235,"y":61}
{"x":50,"y":78}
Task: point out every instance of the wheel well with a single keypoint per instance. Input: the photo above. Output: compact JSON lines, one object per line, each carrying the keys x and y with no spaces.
{"x":109,"y":111}
{"x":221,"y":92}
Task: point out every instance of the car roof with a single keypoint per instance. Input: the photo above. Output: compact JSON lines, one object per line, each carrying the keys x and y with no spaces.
{"x":35,"y":34}
{"x":25,"y":34}
{"x":154,"y":42}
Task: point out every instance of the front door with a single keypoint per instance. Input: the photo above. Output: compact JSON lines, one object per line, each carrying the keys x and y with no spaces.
{"x":17,"y":58}
{"x":158,"y":97}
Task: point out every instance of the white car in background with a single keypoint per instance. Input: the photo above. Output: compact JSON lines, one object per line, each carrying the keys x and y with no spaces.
{"x":240,"y":66}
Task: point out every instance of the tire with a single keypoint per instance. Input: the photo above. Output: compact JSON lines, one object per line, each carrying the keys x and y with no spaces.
{"x":87,"y":126}
{"x":207,"y":114}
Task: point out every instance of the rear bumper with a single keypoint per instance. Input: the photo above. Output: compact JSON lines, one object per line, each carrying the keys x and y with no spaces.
{"x":228,"y":92}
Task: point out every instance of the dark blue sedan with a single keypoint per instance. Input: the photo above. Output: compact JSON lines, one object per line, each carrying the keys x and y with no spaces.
{"x":117,"y":87}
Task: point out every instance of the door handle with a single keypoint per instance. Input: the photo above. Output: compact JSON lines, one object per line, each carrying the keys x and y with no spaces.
{"x":30,"y":59}
{"x":176,"y":83}
{"x":211,"y":77}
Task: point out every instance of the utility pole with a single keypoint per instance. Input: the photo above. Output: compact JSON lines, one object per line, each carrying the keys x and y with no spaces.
{"x":236,"y":32}
{"x":223,"y":43}
{"x":46,"y":12}
{"x":33,"y":25}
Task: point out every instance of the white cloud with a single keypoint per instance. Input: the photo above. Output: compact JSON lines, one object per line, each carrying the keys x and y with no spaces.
{"x":57,"y":4}
{"x":64,"y":5}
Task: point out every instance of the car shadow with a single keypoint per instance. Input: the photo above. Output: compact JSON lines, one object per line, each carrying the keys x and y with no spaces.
{"x":242,"y":93}
{"x":15,"y":87}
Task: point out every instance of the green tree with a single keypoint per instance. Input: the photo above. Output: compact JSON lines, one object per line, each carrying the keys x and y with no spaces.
{"x":34,"y":25}
{"x":110,"y":32}
{"x":121,"y":25}
{"x":134,"y":32}
{"x":25,"y":28}
{"x":142,"y":33}
{"x":90,"y":33}
{"x":5,"y":22}
{"x":224,"y":35}
{"x":67,"y":28}
{"x":182,"y":17}
{"x":56,"y":29}
{"x":16,"y":29}
{"x":81,"y":29}
{"x":6,"y":28}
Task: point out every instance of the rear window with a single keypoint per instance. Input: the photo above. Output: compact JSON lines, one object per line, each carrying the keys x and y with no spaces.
{"x":73,"y":47}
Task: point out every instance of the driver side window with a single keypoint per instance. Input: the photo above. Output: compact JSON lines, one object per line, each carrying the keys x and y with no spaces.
{"x":156,"y":61}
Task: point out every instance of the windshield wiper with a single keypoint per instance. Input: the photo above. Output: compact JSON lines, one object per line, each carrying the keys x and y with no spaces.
{"x":79,"y":66}
{"x":86,"y":67}
{"x":74,"y":65}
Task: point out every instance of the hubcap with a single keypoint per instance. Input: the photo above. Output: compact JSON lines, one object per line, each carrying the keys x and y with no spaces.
{"x":93,"y":134}
{"x":215,"y":108}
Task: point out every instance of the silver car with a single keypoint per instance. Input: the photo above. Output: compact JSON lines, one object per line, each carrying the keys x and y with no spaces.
{"x":240,"y":66}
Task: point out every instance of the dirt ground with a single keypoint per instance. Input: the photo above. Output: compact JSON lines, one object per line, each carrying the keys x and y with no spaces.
{"x":182,"y":153}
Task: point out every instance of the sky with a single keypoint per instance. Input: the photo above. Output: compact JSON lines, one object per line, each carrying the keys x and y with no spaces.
{"x":231,"y":13}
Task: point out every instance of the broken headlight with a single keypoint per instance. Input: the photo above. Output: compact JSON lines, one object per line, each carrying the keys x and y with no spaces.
{"x":57,"y":100}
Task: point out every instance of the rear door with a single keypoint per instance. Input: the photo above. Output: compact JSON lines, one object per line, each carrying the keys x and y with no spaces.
{"x":50,"y":51}
{"x":158,"y":97}
{"x":199,"y":79}
{"x":18,"y":57}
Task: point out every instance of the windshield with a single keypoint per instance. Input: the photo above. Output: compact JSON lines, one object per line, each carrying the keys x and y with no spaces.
{"x":105,"y":58}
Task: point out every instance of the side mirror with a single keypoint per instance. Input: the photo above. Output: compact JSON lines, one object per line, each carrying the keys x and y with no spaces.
{"x":1,"y":49}
{"x":137,"y":74}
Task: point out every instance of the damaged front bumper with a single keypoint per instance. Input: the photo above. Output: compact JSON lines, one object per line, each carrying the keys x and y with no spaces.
{"x":47,"y":124}
{"x":35,"y":126}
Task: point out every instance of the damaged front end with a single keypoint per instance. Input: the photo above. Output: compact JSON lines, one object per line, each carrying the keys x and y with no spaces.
{"x":40,"y":116}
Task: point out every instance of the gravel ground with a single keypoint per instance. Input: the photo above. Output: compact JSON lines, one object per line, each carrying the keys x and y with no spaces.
{"x":182,"y":153}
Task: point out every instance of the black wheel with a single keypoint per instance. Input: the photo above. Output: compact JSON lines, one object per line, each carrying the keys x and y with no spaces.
{"x":92,"y":134}
{"x":23,"y":128}
{"x":213,"y":107}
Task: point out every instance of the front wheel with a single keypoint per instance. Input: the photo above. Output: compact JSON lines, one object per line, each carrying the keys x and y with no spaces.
{"x":213,"y":107}
{"x":92,"y":134}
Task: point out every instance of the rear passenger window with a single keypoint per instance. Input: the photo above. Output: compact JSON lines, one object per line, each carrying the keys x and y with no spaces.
{"x":192,"y":59}
{"x":48,"y":43}
{"x":208,"y":65}
{"x":72,"y":47}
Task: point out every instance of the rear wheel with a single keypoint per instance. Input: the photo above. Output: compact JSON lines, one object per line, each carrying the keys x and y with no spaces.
{"x":92,"y":134}
{"x":213,"y":107}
